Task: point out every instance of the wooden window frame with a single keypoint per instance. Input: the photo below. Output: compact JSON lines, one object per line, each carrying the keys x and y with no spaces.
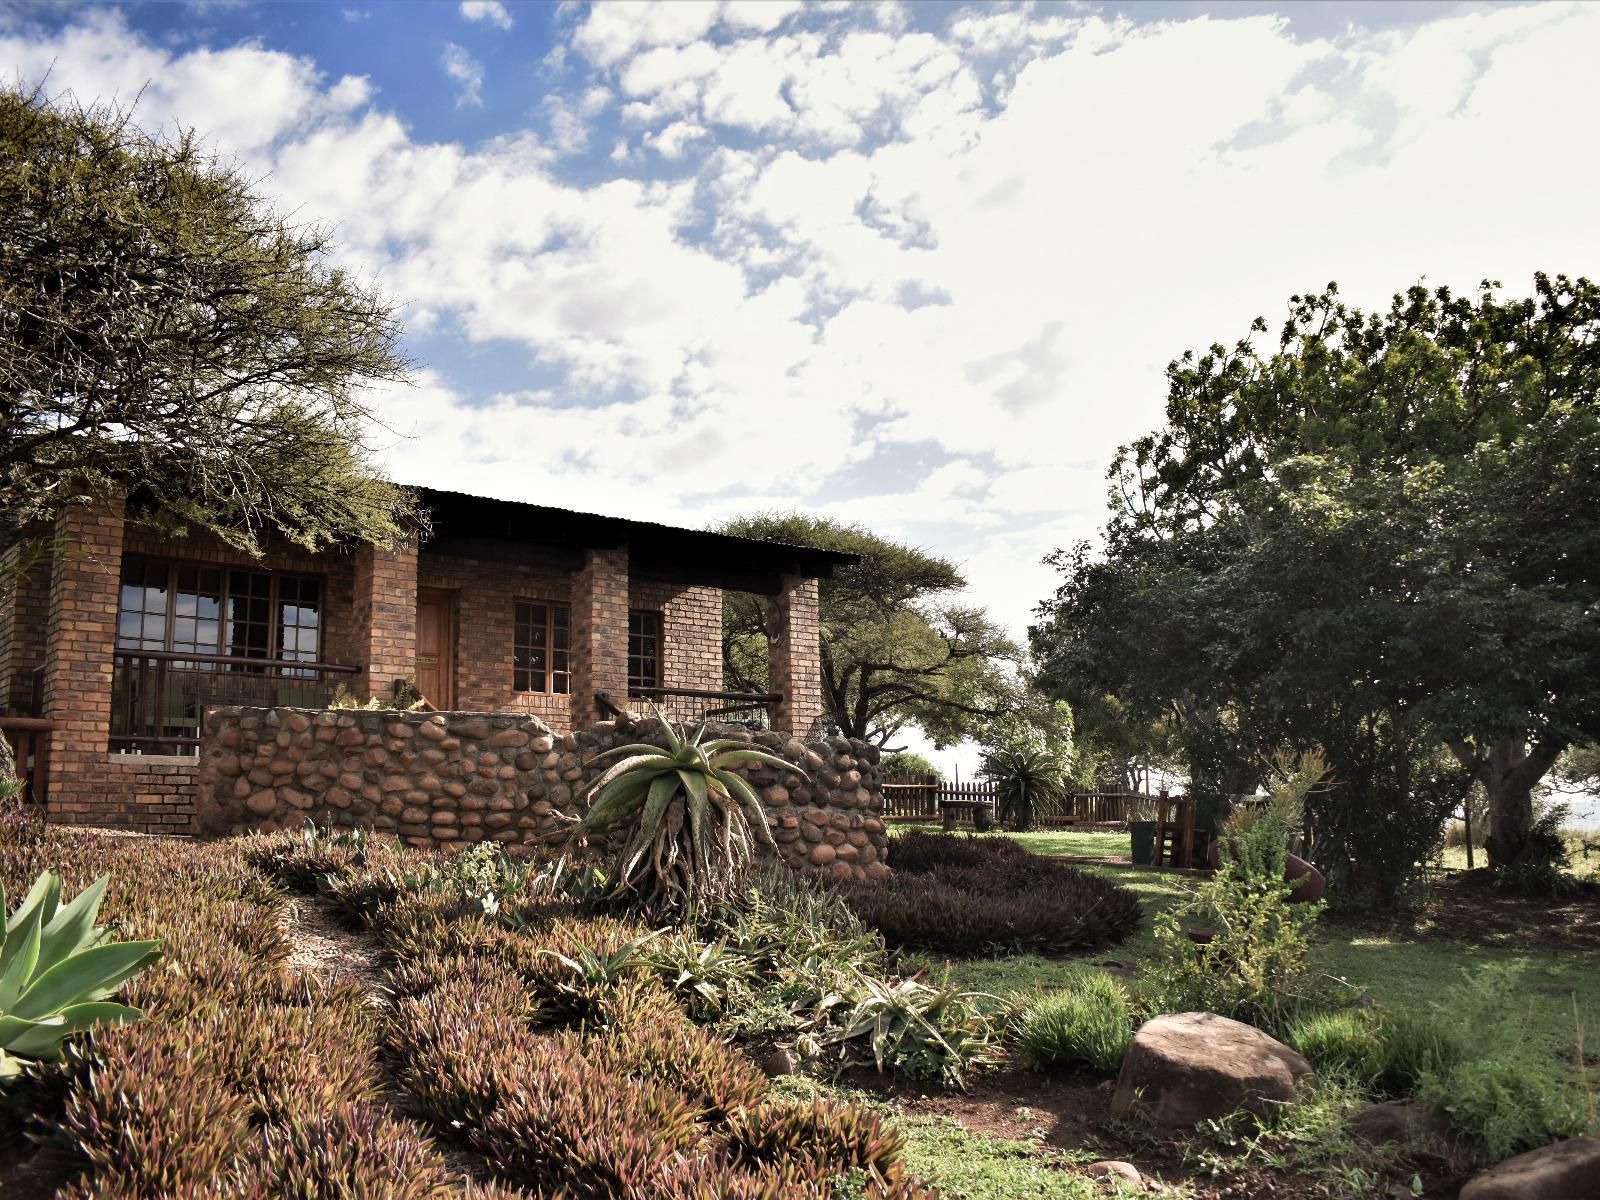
{"x":275,"y":580}
{"x":557,"y":669}
{"x":658,"y":635}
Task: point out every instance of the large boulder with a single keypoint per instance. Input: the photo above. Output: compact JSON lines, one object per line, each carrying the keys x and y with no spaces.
{"x":1189,"y":1067}
{"x":1402,"y":1121}
{"x":1568,"y":1170}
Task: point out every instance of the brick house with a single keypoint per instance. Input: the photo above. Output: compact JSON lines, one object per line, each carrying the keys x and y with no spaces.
{"x":124,"y":640}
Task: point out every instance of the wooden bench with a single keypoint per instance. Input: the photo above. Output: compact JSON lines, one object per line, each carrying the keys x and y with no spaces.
{"x":979,"y":812}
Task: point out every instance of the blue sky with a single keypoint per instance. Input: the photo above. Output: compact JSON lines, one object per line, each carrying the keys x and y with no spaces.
{"x":919,"y":266}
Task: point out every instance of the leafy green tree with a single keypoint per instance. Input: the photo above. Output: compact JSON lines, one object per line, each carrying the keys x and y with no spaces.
{"x":166,"y":336}
{"x":904,"y":764}
{"x":1380,"y":537}
{"x":897,"y":650}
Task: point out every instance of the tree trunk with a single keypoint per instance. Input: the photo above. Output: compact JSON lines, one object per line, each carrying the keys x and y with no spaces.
{"x":1508,"y":771}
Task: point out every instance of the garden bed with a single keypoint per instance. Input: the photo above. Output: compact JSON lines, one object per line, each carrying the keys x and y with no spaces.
{"x":328,"y":1007}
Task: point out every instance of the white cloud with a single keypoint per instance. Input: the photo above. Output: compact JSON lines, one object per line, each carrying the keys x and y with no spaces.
{"x":466,"y":71}
{"x":492,"y":11}
{"x":871,"y":246}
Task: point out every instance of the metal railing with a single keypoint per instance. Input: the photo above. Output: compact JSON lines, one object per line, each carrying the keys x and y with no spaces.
{"x":159,"y":697}
{"x":30,"y":744}
{"x":693,"y":705}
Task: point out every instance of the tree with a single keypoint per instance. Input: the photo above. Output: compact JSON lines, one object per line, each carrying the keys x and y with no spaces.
{"x":167,"y":337}
{"x":905,"y":764}
{"x":1382,"y":535}
{"x":896,"y":650}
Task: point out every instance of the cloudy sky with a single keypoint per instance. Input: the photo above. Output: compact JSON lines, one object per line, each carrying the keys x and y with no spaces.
{"x":916,"y":266}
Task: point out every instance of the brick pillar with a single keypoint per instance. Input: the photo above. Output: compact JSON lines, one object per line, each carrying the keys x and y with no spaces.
{"x":24,"y":623}
{"x":599,"y":633}
{"x":80,"y":640}
{"x":794,"y":654}
{"x":385,"y":636}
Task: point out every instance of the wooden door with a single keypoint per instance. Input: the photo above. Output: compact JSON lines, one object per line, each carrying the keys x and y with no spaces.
{"x":436,"y":647}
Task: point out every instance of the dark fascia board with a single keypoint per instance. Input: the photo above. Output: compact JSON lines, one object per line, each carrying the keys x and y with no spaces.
{"x":654,"y":551}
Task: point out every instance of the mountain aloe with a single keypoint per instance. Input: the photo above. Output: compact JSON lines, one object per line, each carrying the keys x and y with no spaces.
{"x":57,"y":969}
{"x":695,"y":825}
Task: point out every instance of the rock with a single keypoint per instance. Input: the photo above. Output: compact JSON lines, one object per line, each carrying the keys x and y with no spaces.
{"x":1114,"y":1169}
{"x":1401,"y":1121}
{"x":1568,"y":1170}
{"x":779,"y":1062}
{"x":263,"y":803}
{"x":1188,"y":1067}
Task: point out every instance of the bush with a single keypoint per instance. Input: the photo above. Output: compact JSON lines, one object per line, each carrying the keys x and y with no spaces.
{"x":348,"y":1152}
{"x":1507,"y":1104}
{"x":1542,"y":866}
{"x":823,"y":1133}
{"x":1040,"y":911}
{"x":923,"y":1032}
{"x":1088,"y":1021}
{"x":967,"y":896}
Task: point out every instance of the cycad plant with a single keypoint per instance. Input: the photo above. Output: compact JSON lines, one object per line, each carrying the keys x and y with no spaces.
{"x":1024,"y":779}
{"x":57,"y":970}
{"x":692,"y":826}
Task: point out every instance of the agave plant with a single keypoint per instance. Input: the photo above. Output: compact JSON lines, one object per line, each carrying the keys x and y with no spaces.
{"x":57,"y":969}
{"x":694,"y":825}
{"x":1024,"y":779}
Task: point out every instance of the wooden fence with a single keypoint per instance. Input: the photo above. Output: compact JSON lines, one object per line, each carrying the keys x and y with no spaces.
{"x":919,"y":798}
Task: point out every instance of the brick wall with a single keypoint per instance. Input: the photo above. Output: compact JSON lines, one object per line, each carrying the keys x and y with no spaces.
{"x":24,"y":625}
{"x":599,"y":632}
{"x":486,"y":594}
{"x":691,"y":622}
{"x":795,"y":656}
{"x":385,"y":618}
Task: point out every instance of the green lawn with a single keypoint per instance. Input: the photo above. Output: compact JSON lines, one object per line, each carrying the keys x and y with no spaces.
{"x":1546,"y":997}
{"x":1088,"y":843}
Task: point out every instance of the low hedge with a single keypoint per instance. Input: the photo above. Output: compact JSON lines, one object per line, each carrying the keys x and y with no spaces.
{"x":966,"y":897}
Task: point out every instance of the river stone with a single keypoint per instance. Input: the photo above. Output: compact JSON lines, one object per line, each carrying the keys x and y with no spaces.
{"x":1190,"y":1067}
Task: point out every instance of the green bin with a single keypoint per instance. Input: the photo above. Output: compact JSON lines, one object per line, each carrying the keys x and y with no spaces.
{"x":1143,"y":835}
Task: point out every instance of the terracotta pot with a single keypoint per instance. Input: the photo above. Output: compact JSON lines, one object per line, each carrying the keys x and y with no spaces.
{"x":1312,"y":883}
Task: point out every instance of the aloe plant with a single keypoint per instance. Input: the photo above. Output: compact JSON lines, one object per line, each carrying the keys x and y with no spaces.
{"x":1025,"y":779}
{"x":694,"y":825}
{"x":57,"y":970}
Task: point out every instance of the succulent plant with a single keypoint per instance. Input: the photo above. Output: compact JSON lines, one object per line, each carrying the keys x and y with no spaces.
{"x":57,"y":970}
{"x":695,"y":825}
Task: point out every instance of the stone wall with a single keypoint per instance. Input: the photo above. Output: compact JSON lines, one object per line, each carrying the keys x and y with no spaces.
{"x":451,"y":779}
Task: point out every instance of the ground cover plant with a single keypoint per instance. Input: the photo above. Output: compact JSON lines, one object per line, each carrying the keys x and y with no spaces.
{"x":966,"y":897}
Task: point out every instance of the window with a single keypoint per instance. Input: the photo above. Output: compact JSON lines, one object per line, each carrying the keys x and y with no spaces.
{"x":541,"y":649}
{"x":644,"y":650}
{"x":181,"y":607}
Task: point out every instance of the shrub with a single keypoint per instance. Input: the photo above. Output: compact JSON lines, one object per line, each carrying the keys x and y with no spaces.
{"x":58,"y":970}
{"x":1058,"y":909}
{"x":569,"y":1125}
{"x":1342,"y":1043}
{"x":1025,"y":777}
{"x":650,"y":1040}
{"x":1412,"y":1047}
{"x":1507,"y":1104}
{"x":153,"y":1117}
{"x":1254,"y":967}
{"x":1542,"y":866}
{"x":693,"y":826}
{"x":907,"y":1026}
{"x":1088,"y":1021}
{"x":923,"y":853}
{"x":348,"y":1152}
{"x":823,"y":1133}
